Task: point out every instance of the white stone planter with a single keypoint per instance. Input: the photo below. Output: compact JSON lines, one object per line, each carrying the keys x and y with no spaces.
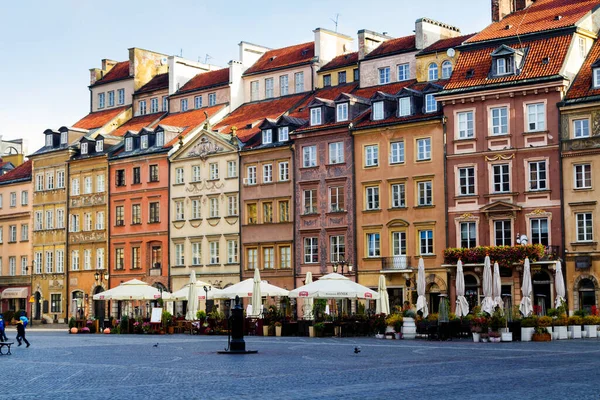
{"x":592,"y":330}
{"x":311,"y":331}
{"x":551,"y":332}
{"x":476,"y":337}
{"x":560,"y":333}
{"x":506,"y":336}
{"x":278,"y":330}
{"x":379,"y":336}
{"x":575,"y":331}
{"x":409,"y":329}
{"x":389,"y":329}
{"x":526,"y":334}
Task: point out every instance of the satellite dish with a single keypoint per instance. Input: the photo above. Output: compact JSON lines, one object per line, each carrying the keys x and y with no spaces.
{"x":163,"y":61}
{"x":451,"y":52}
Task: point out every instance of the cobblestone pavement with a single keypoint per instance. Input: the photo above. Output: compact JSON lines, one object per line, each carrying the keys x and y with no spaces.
{"x":59,"y":365}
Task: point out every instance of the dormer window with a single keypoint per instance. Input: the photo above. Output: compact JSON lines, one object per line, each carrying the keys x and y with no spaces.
{"x":596,"y":73}
{"x":49,"y":140}
{"x":84,"y":148}
{"x":128,"y":144}
{"x":315,"y":116}
{"x":342,"y":112}
{"x":267,"y":136}
{"x":284,"y":134}
{"x":503,"y":66}
{"x":144,"y":141}
{"x":99,"y":146}
{"x":64,"y":137}
{"x":506,"y":61}
{"x":160,"y":139}
{"x":404,"y":108}
{"x":378,"y":111}
{"x":430,"y":103}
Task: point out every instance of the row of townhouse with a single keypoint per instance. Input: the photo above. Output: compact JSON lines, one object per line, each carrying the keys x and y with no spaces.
{"x":312,"y":158}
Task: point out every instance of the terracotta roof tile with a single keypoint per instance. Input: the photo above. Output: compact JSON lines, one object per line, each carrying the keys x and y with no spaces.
{"x":253,"y":113}
{"x":445,"y":44}
{"x":479,"y":63}
{"x":540,"y":16}
{"x":119,"y":71}
{"x":136,"y":124}
{"x":98,"y":119}
{"x":206,"y":80}
{"x":328,"y":93}
{"x":188,"y":120}
{"x":282,"y":58}
{"x":391,"y":88}
{"x":21,"y":172}
{"x":393,"y":46}
{"x":160,"y":81}
{"x":341,"y":61}
{"x":582,"y":85}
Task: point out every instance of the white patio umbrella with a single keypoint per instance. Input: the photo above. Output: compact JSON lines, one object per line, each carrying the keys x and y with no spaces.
{"x":334,"y":286}
{"x":497,"y":289}
{"x":462,"y":305}
{"x":192,"y":299}
{"x":487,"y":305}
{"x":525,"y":307}
{"x":182,"y":294}
{"x":132,"y":290}
{"x":308,"y":303}
{"x":256,"y":294}
{"x":421,"y":302}
{"x":560,"y":285}
{"x":382,"y":305}
{"x":245,"y":288}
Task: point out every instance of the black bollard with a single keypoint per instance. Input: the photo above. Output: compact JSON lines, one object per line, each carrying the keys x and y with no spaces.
{"x":237,"y":345}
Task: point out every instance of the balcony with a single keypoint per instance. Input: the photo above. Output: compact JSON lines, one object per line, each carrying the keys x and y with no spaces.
{"x":395,"y":263}
{"x":551,"y":253}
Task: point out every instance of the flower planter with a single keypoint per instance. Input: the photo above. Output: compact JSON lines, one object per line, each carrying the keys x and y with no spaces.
{"x":171,"y":330}
{"x":409,"y":329}
{"x":495,"y":340}
{"x":390,"y":336}
{"x":484,"y":340}
{"x":389,"y":329}
{"x":278,"y":330}
{"x":550,"y":331}
{"x":575,"y":331}
{"x":560,"y":333}
{"x":592,"y":330}
{"x":526,"y":333}
{"x":266,"y":330}
{"x":379,"y":336}
{"x":541,"y":337}
{"x":476,"y":337}
{"x":506,"y":336}
{"x":311,"y":331}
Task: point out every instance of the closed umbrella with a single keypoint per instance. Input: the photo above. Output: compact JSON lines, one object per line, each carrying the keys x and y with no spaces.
{"x":488,"y":302}
{"x":560,"y":285}
{"x":462,"y":305}
{"x":383,"y":303}
{"x":525,"y":307}
{"x":256,"y":295}
{"x":421,"y":302}
{"x":308,"y":303}
{"x":498,"y":287}
{"x":192,"y":299}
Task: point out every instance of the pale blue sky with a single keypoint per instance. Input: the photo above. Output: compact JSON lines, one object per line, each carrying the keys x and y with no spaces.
{"x":49,"y":46}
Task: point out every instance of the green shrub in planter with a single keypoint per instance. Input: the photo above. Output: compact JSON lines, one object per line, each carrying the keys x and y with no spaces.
{"x":72,"y":323}
{"x":560,"y":321}
{"x":529,"y":322}
{"x":575,"y":320}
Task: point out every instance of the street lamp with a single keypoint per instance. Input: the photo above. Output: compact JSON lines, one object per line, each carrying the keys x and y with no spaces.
{"x":102,"y":277}
{"x":206,"y":290}
{"x":340,"y":264}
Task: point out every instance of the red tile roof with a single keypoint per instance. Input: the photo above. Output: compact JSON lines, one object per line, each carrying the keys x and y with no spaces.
{"x":99,"y":118}
{"x":119,"y":71}
{"x":583,"y":84}
{"x":136,"y":124}
{"x":23,"y":171}
{"x":160,"y":81}
{"x":391,"y":88}
{"x":282,"y":58}
{"x":253,"y":113}
{"x":206,"y":80}
{"x":328,"y":93}
{"x":535,"y":65}
{"x":445,"y":44}
{"x":188,"y":120}
{"x":341,"y":61}
{"x":393,"y":46}
{"x":540,"y":16}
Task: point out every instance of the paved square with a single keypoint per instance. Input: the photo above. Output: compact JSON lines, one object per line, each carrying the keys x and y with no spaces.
{"x":59,"y":365}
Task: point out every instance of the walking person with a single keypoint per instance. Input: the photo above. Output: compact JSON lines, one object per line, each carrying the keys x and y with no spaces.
{"x":3,"y":337}
{"x":21,"y":333}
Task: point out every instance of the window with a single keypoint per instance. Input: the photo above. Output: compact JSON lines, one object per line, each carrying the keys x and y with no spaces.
{"x":311,"y":250}
{"x":425,"y":193}
{"x":252,"y":258}
{"x":144,"y":142}
{"x":154,"y":105}
{"x":179,"y":210}
{"x":299,"y":81}
{"x":212,"y":99}
{"x":384,"y":75}
{"x":119,"y":258}
{"x":179,"y":255}
{"x":198,"y":102}
{"x":536,"y":117}
{"x":283,"y":85}
{"x":75,"y":186}
{"x":285,"y":257}
{"x":60,"y":179}
{"x":336,"y":199}
{"x":403,"y":72}
{"x":232,"y":251}
{"x":284,"y":211}
{"x":64,"y":138}
{"x":404,"y":107}
{"x":398,"y":243}
{"x":60,"y":261}
{"x":214,"y":170}
{"x":49,"y":180}
{"x":581,"y":128}
{"x":253,"y":90}
{"x":284,"y":171}
{"x":24,"y":197}
{"x":466,"y":181}
{"x":582,"y":47}
{"x":160,"y":139}
{"x":99,"y":220}
{"x":75,"y":260}
{"x":446,"y":69}
{"x":60,"y":218}
{"x":179,"y":176}
{"x":101,"y":100}
{"x":119,"y":216}
{"x":372,"y":197}
{"x":99,"y":258}
{"x":501,"y":178}
{"x":326,"y":80}
{"x":24,"y":232}
{"x":23,"y":265}
{"x":268,"y":88}
{"x":184,"y":105}
{"x":99,"y":146}
{"x":284,"y":134}
{"x":336,"y":153}
{"x":423,"y":149}
{"x":373,"y":245}
{"x":504,"y":66}
{"x":87,"y":185}
{"x":468,"y":234}
{"x":214,"y":252}
{"x":356,"y":74}
{"x":267,"y":173}
{"x":432,"y":72}
{"x":55,"y":303}
{"x":267,"y":136}
{"x":87,"y":222}
{"x":74,"y":223}
{"x":38,"y":262}
{"x":596,"y":73}
{"x":39,"y":223}
{"x":341,"y":77}
{"x":310,"y":201}
{"x":583,"y":176}
{"x":39,"y":182}
{"x":252,"y":214}
{"x":196,"y":253}
{"x":539,"y":231}
{"x":337,"y":248}
{"x":196,"y":209}
{"x":121,"y":96}
{"x":128,"y":144}
{"x":342,"y":112}
{"x":398,"y":195}
{"x":232,"y":169}
{"x":87,"y":259}
{"x":378,"y":114}
{"x":465,"y":125}
{"x":214,"y":207}
{"x":165,"y":103}
{"x":499,"y":120}
{"x":430,"y":103}
{"x":396,"y":152}
{"x":154,"y":173}
{"x":12,"y":233}
{"x":584,"y":227}
{"x":268,"y":257}
{"x":371,"y":155}
{"x":426,"y":242}
{"x":142,"y":107}
{"x":137,"y":176}
{"x":49,"y":140}
{"x":503,"y":233}
{"x":154,"y":212}
{"x":84,"y":148}
{"x":232,"y":206}
{"x":251,"y":172}
{"x":537,"y":175}
{"x":196,"y":173}
{"x":111,"y":98}
{"x":315,"y":116}
{"x":309,"y":156}
{"x":13,"y":199}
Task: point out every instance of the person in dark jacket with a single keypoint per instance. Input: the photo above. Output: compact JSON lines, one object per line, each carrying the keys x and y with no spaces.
{"x":21,"y":333}
{"x":3,"y":337}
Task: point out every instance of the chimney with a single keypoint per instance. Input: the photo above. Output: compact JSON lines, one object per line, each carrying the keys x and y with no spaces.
{"x":523,"y":4}
{"x":428,"y":31}
{"x":502,"y":8}
{"x":369,"y":41}
{"x":329,"y":44}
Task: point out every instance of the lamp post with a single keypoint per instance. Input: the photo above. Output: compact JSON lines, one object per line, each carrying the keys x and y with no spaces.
{"x":340,"y":264}
{"x":99,"y":278}
{"x":206,"y":290}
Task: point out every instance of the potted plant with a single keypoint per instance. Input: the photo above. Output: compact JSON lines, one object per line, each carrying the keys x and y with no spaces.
{"x":494,"y":337}
{"x":575,"y":323}
{"x":546,"y":322}
{"x":590,"y":326}
{"x":541,"y":334}
{"x":394,"y":325}
{"x":484,"y":337}
{"x":559,"y":327}
{"x":409,"y":328}
{"x":72,"y":324}
{"x":278,"y":327}
{"x":528,"y":325}
{"x":167,"y":322}
{"x":319,"y":328}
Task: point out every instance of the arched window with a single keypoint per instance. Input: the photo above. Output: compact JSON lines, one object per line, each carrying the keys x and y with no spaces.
{"x":446,"y":69}
{"x":433,"y":72}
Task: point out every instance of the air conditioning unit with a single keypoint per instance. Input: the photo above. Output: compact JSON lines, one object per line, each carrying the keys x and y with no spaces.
{"x":246,"y":181}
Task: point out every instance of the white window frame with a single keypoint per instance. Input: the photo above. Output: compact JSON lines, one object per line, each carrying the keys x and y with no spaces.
{"x":196,"y":173}
{"x":584,"y":225}
{"x":467,"y":184}
{"x":378,"y":111}
{"x":267,"y":136}
{"x":581,"y":128}
{"x":536,"y":111}
{"x":284,"y":171}
{"x":251,"y":175}
{"x":403,"y":71}
{"x":311,"y":250}
{"x":426,"y":242}
{"x":430,"y":103}
{"x":466,"y":124}
{"x":284,"y":134}
{"x":404,"y":107}
{"x":267,"y":173}
{"x":499,"y":115}
{"x":371,"y":155}
{"x":336,"y":153}
{"x":269,"y":88}
{"x":579,"y":176}
{"x":373,"y":244}
{"x":372,"y":199}
{"x":315,"y":116}
{"x":384,"y":75}
{"x":179,"y":175}
{"x":232,"y":169}
{"x":446,"y":69}
{"x":425,"y":193}
{"x":99,"y":146}
{"x":398,"y":193}
{"x":309,"y":156}
{"x":540,"y":181}
{"x":432,"y":72}
{"x":299,"y":82}
{"x":341,"y":112}
{"x":284,"y":88}
{"x":397,"y":155}
{"x":212,"y":99}
{"x":198,"y":102}
{"x":424,"y":149}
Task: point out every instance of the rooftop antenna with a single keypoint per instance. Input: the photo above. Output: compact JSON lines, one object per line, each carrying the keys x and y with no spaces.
{"x":206,"y":58}
{"x":335,"y":21}
{"x":181,"y":53}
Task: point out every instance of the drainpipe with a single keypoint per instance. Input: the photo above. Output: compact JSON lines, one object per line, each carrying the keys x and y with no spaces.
{"x":444,"y":128}
{"x":66,"y":256}
{"x":168,"y":230}
{"x":240,"y":182}
{"x":293,"y":207}
{"x":350,"y":129}
{"x":562,"y":201}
